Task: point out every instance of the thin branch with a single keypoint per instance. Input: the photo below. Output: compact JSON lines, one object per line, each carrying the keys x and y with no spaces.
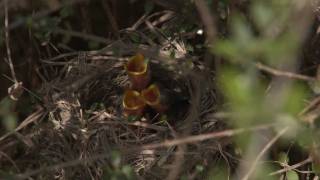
{"x":43,"y":13}
{"x":277,"y":72}
{"x":39,"y":114}
{"x":112,"y":19}
{"x":263,"y":151}
{"x":308,"y":160}
{"x":195,"y":94}
{"x":29,"y":91}
{"x":207,"y":19}
{"x":310,"y":105}
{"x":6,"y":23}
{"x":10,"y":160}
{"x":82,"y":35}
{"x":203,"y":137}
{"x":168,"y":143}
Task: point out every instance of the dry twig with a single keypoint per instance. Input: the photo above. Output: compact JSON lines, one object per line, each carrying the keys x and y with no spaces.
{"x":6,"y":23}
{"x":207,"y":19}
{"x":82,"y":35}
{"x":288,"y":168}
{"x":32,"y":118}
{"x":277,"y":72}
{"x":168,"y":143}
{"x":262,"y":153}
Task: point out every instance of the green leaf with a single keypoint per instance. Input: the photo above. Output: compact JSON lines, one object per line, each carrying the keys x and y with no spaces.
{"x":218,"y":171}
{"x":116,"y":159}
{"x":283,"y":157}
{"x":10,"y":122}
{"x":226,"y":49}
{"x":128,"y":171}
{"x":294,"y":99}
{"x":199,"y":168}
{"x":292,"y":175}
{"x":241,"y":32}
{"x":316,"y":168}
{"x":262,"y":14}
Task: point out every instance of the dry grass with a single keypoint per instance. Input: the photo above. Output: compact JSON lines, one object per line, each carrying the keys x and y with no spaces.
{"x":74,"y":127}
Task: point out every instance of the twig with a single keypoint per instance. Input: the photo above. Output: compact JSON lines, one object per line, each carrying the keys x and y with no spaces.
{"x":29,"y":91}
{"x":207,"y":19}
{"x":226,"y":160}
{"x":82,"y":35}
{"x":165,"y":17}
{"x":311,"y":105}
{"x":262,"y":152}
{"x":195,"y":95}
{"x":308,"y":160}
{"x":6,"y":23}
{"x":40,"y":14}
{"x":112,"y":19}
{"x":10,"y":160}
{"x":33,"y":117}
{"x":290,"y":75}
{"x":137,"y":23}
{"x":170,"y":143}
{"x":203,"y":137}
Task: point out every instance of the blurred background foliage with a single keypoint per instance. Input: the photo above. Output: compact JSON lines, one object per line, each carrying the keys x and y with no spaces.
{"x":267,"y":34}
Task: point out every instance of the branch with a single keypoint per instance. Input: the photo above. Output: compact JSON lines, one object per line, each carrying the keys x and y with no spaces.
{"x":308,"y":160}
{"x":207,"y":19}
{"x":262,"y":152}
{"x":6,"y":24}
{"x":276,"y":72}
{"x":168,"y":143}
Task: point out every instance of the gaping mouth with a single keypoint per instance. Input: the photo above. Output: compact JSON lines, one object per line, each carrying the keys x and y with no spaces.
{"x":151,"y":95}
{"x":132,"y":100}
{"x":136,"y":65}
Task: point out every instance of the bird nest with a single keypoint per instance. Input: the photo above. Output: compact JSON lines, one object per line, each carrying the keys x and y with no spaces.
{"x":80,"y":127}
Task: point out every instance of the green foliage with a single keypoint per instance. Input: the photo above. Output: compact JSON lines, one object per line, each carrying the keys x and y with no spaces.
{"x":284,"y":159}
{"x":45,"y":26}
{"x":265,"y":35}
{"x":294,"y":101}
{"x":117,"y":171}
{"x":244,"y":47}
{"x":292,"y":175}
{"x":242,"y":86}
{"x":262,"y":170}
{"x":6,"y":175}
{"x":218,"y":171}
{"x":316,"y":168}
{"x":7,"y":116}
{"x":245,"y":95}
{"x":274,"y":43}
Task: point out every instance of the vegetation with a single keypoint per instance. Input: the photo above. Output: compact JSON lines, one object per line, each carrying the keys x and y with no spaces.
{"x":226,"y":89}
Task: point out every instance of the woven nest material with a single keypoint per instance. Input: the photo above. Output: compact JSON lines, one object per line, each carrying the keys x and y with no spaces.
{"x":83,"y":124}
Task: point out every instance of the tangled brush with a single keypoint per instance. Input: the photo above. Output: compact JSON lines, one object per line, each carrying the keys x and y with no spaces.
{"x":81,"y":125}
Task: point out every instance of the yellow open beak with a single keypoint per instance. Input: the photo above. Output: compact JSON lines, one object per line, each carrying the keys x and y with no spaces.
{"x":137,"y":69}
{"x":153,"y":98}
{"x":133,"y":103}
